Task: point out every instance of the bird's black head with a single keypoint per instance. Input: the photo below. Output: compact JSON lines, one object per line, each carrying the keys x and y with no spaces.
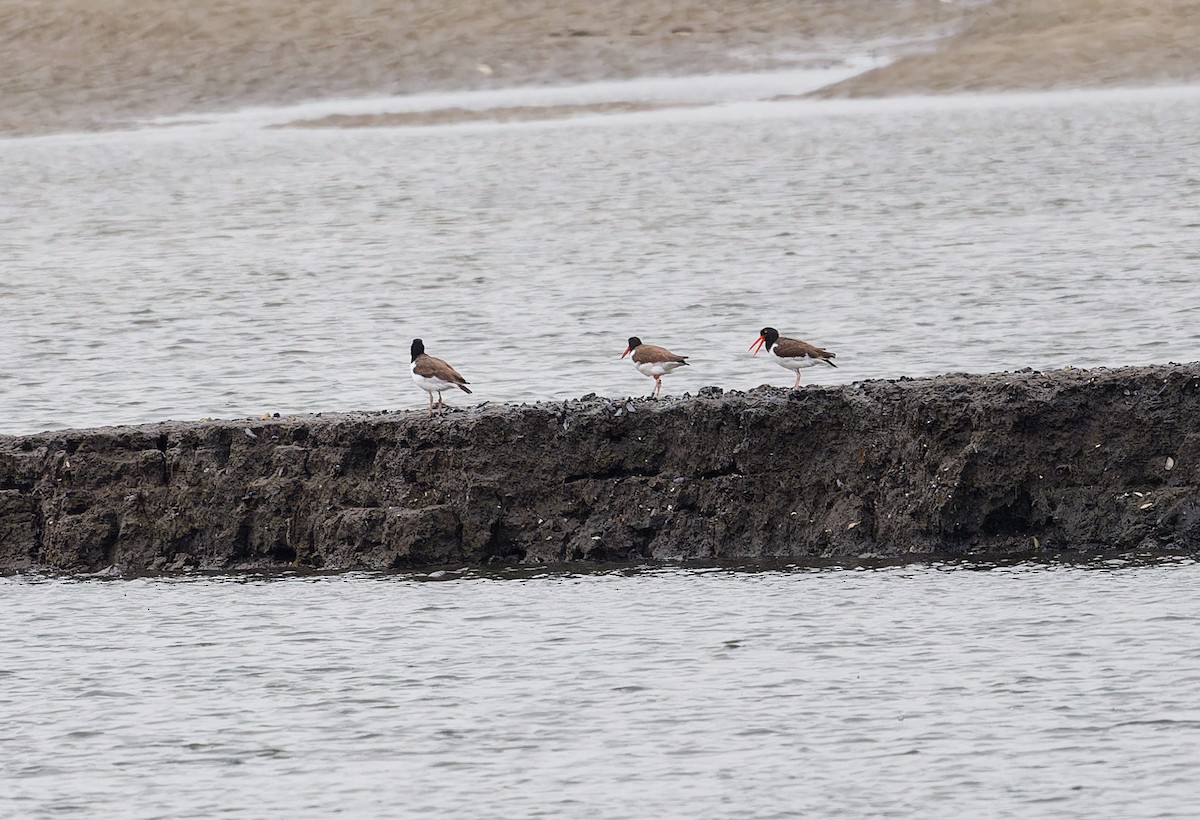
{"x":634,"y":341}
{"x":766,"y":337}
{"x":418,"y":347}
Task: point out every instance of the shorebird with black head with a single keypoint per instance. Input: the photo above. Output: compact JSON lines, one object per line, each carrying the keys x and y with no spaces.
{"x":653,"y":361}
{"x":793,"y":354}
{"x":433,"y":375}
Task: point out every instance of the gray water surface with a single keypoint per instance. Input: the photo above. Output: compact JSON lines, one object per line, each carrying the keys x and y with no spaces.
{"x":230,"y":270}
{"x":923,"y":691}
{"x":234,"y":270}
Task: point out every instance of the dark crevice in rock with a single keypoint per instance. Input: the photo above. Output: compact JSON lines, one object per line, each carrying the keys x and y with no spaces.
{"x":1011,"y":519}
{"x":614,"y":472}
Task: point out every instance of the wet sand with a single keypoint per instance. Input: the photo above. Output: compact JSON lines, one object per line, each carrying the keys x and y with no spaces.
{"x":101,"y":64}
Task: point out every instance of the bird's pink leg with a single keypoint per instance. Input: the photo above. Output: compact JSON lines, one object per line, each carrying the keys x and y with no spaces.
{"x":796,"y":386}
{"x":430,"y":405}
{"x":657,"y":386}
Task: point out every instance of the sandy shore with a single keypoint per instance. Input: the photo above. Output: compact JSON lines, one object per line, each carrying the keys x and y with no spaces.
{"x":97,"y":64}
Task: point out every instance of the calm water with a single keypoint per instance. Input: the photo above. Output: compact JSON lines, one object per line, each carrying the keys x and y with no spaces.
{"x":227,"y":269}
{"x":924,"y":692}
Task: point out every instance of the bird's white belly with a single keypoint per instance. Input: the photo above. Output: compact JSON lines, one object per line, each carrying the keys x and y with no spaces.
{"x":653,"y":369}
{"x":795,"y":362}
{"x":431,"y":383}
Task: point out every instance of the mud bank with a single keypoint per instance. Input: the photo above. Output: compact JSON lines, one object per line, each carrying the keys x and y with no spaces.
{"x":1004,"y":464}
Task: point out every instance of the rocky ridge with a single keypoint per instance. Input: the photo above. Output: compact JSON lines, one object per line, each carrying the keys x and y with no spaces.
{"x":1006,"y":464}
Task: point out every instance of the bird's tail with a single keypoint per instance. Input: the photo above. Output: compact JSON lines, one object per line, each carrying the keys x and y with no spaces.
{"x":464,"y":388}
{"x":831,"y":364}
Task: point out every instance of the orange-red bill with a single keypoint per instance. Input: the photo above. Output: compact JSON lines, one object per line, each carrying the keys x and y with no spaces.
{"x":626,"y":353}
{"x":757,"y":345}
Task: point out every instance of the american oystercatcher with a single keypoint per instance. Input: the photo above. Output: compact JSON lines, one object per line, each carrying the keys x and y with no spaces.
{"x":653,"y":361}
{"x":791,"y":353}
{"x":434,"y":375}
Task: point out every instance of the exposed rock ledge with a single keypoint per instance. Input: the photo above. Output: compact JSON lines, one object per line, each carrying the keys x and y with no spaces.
{"x":1002,"y":464}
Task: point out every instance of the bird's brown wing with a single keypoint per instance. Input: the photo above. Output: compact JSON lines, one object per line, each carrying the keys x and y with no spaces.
{"x":647,"y":354}
{"x":434,"y":368}
{"x":796,"y":349}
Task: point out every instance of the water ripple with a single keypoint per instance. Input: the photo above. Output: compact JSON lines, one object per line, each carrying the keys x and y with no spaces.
{"x":228,"y":272}
{"x":699,"y":692}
